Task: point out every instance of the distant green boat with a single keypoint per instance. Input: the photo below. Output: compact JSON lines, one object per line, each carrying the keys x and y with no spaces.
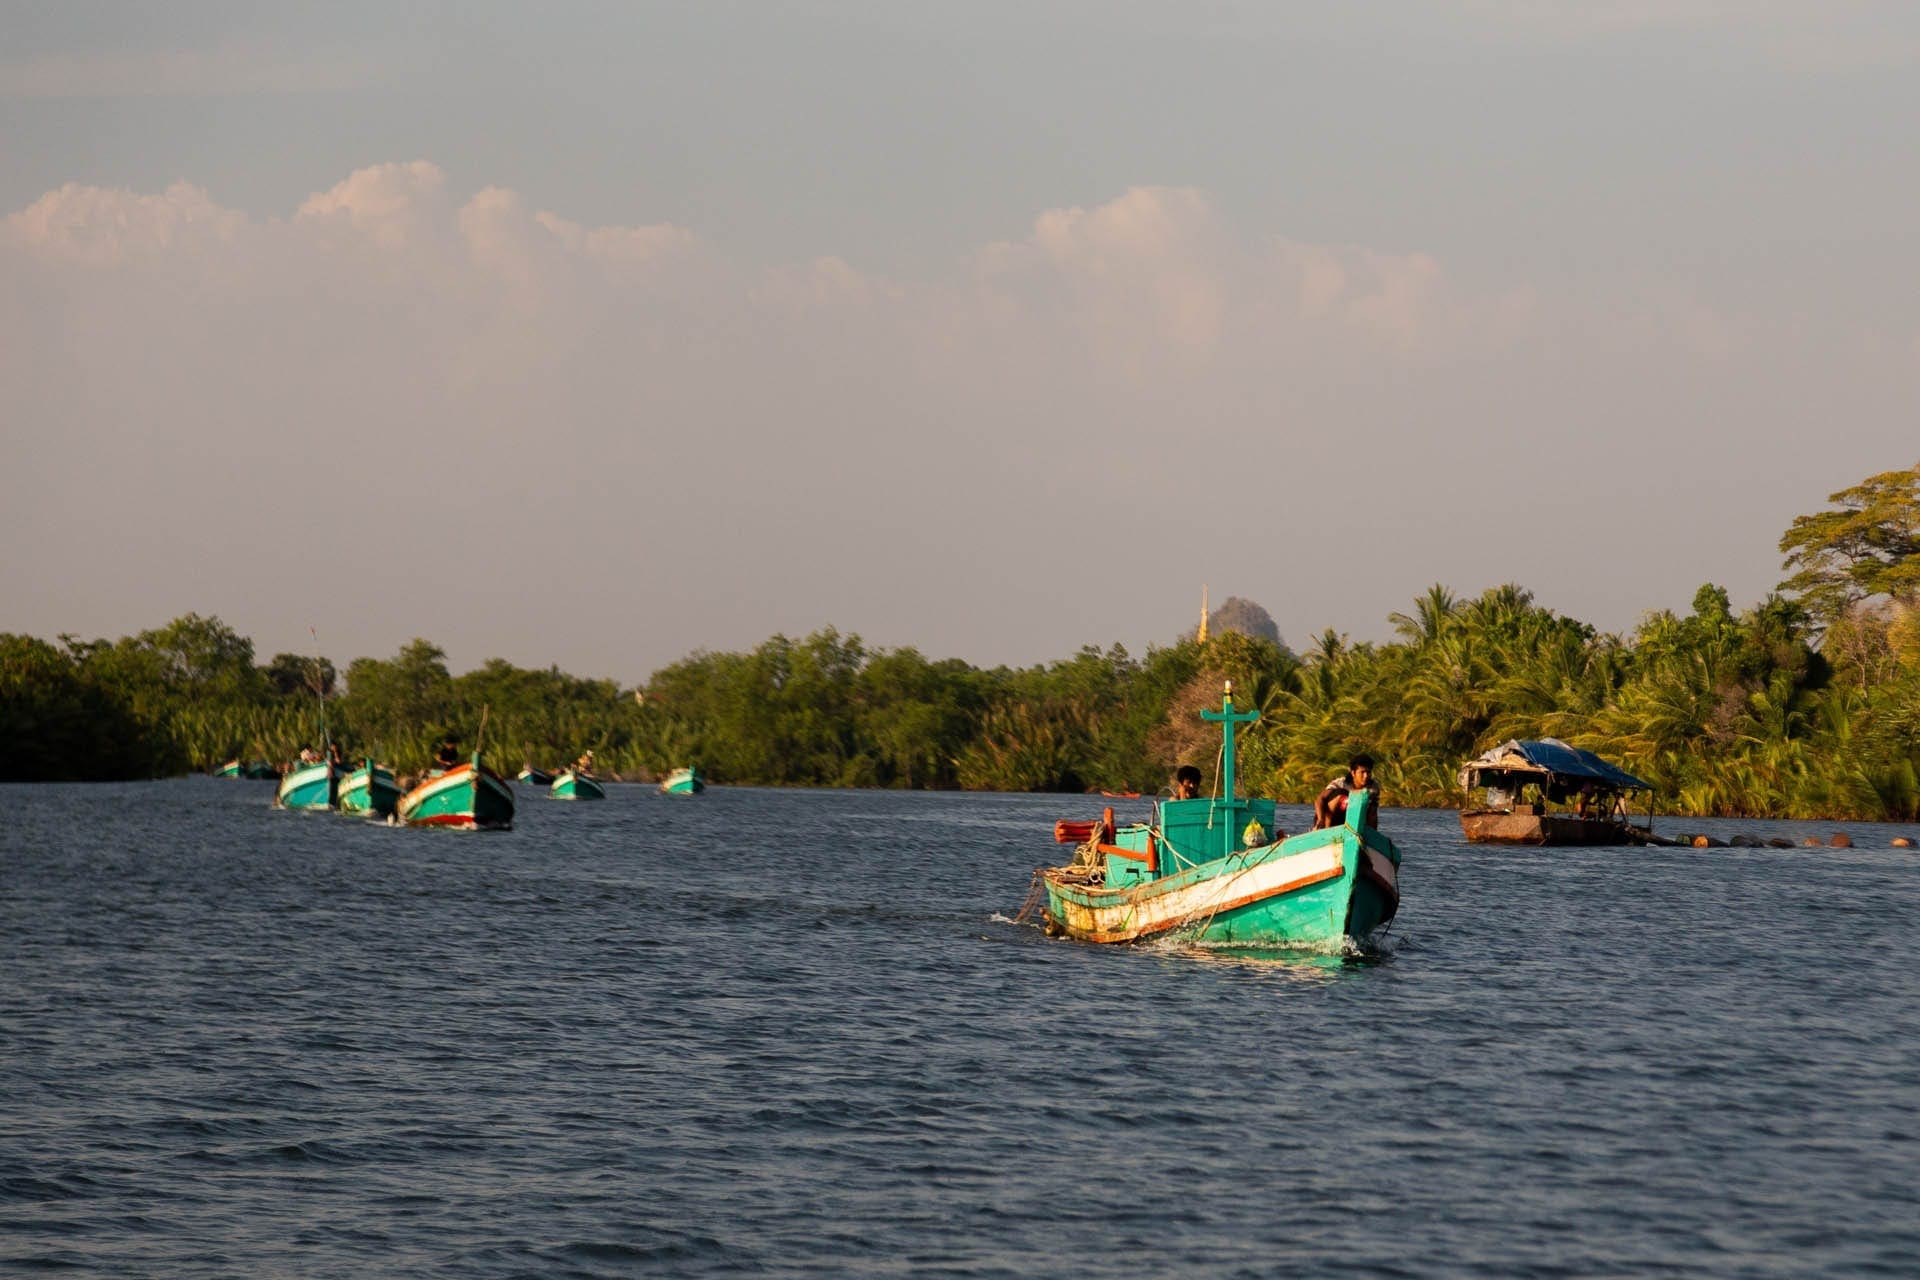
{"x":1204,"y":870}
{"x":466,"y":797}
{"x":684,"y":782}
{"x":307,"y":786}
{"x":534,"y":777}
{"x":254,"y":769}
{"x":370,"y":789}
{"x":569,"y":785}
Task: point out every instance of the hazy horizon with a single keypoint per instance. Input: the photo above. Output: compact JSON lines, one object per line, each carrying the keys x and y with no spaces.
{"x":595,"y":337}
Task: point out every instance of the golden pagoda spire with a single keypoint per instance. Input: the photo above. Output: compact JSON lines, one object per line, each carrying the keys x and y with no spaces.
{"x":1203,"y":613}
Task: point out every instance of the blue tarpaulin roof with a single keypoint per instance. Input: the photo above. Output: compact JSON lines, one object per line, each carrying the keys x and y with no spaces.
{"x":1550,"y":755}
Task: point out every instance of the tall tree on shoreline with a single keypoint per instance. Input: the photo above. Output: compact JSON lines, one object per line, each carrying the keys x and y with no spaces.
{"x":1867,"y":548}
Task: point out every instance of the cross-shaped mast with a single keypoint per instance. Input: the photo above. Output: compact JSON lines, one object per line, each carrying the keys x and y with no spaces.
{"x":1227,"y":717}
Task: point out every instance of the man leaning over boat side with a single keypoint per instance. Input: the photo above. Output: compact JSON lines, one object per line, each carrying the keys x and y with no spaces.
{"x":1330,"y":806}
{"x":1186,"y":782}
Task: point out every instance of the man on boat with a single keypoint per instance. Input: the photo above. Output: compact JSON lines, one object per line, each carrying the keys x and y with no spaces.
{"x":1584,"y":802}
{"x":1186,"y":782}
{"x":1330,"y":806}
{"x":584,"y":764}
{"x":447,"y":756}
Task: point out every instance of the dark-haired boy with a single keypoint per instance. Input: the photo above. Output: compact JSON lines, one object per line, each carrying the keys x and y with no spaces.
{"x":1330,"y":806}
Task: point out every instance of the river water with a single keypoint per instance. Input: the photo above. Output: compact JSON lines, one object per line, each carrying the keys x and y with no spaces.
{"x":799,"y":1032}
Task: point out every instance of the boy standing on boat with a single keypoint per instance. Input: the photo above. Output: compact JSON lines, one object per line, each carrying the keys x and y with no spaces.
{"x":1330,"y":806}
{"x":1186,"y":782}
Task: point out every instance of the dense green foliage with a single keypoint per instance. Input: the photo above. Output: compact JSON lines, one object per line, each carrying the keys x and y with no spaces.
{"x":1807,"y":704}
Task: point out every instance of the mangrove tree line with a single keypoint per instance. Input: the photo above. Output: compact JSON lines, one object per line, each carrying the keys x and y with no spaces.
{"x":1806,"y":704}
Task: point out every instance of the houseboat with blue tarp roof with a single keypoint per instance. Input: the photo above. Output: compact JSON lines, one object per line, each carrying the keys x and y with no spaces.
{"x":1525,"y":778}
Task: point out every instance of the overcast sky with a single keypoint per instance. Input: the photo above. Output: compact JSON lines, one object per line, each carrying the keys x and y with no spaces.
{"x":594,"y":335}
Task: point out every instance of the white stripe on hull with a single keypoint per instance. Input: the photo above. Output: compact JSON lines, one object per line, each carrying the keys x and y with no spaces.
{"x":300,"y":780}
{"x":1143,"y":915}
{"x":413,"y":800}
{"x":445,"y":782}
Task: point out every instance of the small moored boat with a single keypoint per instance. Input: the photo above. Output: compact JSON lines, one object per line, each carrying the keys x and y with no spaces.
{"x":571,"y":785}
{"x":1204,"y":869}
{"x":370,"y":789}
{"x":683,"y":782}
{"x":466,"y":797}
{"x":534,"y":777}
{"x":1522,"y":778}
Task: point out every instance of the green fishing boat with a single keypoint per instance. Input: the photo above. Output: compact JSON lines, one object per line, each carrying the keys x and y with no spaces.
{"x":370,"y":789}
{"x":1204,"y":870}
{"x":534,"y":777}
{"x":466,"y":797}
{"x":307,"y":786}
{"x":240,"y":769}
{"x":572,"y":785}
{"x":683,"y":782}
{"x":312,"y":781}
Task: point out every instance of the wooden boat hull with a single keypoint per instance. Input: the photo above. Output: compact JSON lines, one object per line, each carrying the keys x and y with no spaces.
{"x":1501,"y":826}
{"x":370,"y":789}
{"x":683,"y":782}
{"x":467,"y":797}
{"x":231,"y":769}
{"x":534,"y":777}
{"x":1317,"y":889}
{"x":308,"y":786}
{"x":574,"y":786}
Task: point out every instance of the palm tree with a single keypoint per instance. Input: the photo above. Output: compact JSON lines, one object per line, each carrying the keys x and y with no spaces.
{"x":1431,"y":612}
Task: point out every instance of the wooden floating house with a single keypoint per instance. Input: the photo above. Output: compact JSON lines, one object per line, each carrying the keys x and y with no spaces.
{"x":1523,"y":778}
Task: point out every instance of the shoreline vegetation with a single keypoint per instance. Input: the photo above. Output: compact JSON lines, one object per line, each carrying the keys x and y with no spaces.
{"x":1805,"y":706}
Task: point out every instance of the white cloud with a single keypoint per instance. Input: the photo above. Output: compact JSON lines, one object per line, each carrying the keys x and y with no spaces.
{"x":1147,"y":267}
{"x":101,"y":225}
{"x":1149,"y":279}
{"x":391,"y":205}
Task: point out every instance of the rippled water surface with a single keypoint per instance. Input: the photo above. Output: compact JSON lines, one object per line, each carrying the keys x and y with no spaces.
{"x":786,"y":1032}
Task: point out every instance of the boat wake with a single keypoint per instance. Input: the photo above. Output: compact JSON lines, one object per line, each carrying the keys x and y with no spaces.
{"x":1332,"y":953}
